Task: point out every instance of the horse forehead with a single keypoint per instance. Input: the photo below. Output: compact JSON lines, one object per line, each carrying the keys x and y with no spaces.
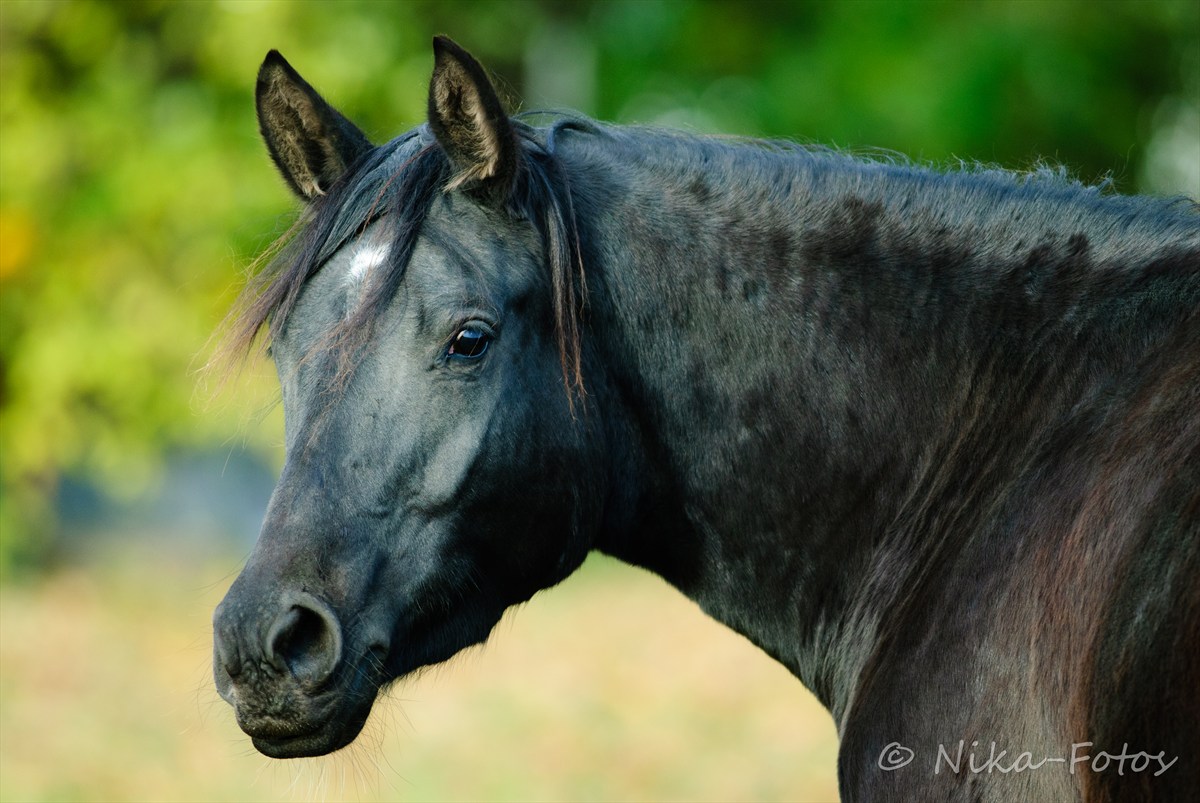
{"x":460,"y":248}
{"x":475,"y":245}
{"x":355,"y":258}
{"x":366,"y":255}
{"x":448,"y":255}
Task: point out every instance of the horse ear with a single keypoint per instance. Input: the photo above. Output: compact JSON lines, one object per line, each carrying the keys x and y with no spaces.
{"x":469,"y":121}
{"x":310,"y":142}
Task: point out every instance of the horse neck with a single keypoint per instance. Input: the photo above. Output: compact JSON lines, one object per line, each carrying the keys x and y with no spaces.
{"x":795,"y":384}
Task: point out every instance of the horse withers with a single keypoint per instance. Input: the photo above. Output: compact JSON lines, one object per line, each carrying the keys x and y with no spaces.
{"x":931,"y":440}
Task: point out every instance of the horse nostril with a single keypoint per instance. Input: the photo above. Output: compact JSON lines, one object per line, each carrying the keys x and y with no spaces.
{"x":305,"y":640}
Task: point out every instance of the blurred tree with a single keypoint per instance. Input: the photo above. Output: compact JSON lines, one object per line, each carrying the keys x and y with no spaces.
{"x":133,"y":189}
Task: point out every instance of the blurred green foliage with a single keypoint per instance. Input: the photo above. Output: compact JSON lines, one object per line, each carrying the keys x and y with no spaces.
{"x":134,"y":192}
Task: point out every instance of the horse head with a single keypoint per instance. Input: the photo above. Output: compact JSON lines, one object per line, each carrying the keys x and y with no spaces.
{"x":442,"y":464}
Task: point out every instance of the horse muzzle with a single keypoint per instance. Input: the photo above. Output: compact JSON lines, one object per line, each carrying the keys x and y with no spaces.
{"x":283,"y":668}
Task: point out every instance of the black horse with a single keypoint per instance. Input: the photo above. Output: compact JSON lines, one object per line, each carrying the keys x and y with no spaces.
{"x":932,"y":441}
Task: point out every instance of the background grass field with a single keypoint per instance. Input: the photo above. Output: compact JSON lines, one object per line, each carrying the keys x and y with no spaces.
{"x":610,"y":687}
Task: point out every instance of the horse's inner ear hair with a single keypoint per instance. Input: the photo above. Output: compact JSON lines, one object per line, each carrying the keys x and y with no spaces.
{"x":310,"y":142}
{"x":469,"y":121}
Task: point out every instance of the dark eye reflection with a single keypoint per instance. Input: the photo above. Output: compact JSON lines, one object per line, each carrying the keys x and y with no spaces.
{"x":470,"y":343}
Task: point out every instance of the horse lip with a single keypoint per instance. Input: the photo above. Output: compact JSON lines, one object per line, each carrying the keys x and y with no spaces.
{"x":278,"y":739}
{"x":320,"y":727}
{"x":317,"y":743}
{"x":271,"y":729}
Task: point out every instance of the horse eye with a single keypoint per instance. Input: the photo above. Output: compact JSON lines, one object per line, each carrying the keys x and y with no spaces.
{"x":470,"y":343}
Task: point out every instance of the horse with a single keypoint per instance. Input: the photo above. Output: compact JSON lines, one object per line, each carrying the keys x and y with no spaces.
{"x":930,"y":439}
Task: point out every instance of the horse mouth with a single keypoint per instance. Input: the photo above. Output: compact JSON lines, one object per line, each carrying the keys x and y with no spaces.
{"x":285,"y":740}
{"x":318,"y":733}
{"x":318,"y":743}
